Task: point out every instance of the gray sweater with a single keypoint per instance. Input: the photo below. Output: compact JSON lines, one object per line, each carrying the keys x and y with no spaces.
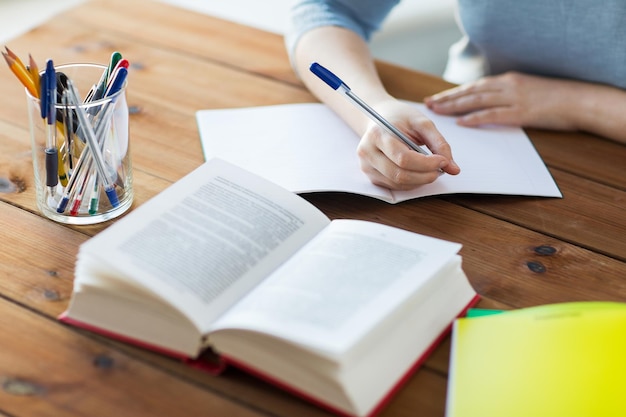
{"x":575,"y":39}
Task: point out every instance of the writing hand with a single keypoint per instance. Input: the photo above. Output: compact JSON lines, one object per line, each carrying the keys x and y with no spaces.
{"x":390,"y":163}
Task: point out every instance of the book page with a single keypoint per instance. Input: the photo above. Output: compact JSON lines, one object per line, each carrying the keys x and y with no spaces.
{"x":341,"y":285}
{"x":306,"y":148}
{"x":208,"y":239}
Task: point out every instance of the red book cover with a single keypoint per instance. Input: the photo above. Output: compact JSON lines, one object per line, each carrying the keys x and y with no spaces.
{"x":215,"y":365}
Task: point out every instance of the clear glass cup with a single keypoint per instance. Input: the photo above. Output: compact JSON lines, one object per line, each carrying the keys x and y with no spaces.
{"x":81,"y":160}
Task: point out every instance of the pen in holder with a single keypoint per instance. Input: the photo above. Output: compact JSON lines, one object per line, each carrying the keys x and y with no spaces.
{"x":80,"y":143}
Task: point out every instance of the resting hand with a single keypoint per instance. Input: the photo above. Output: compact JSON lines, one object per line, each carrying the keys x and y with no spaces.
{"x":388,"y":162}
{"x":509,"y":99}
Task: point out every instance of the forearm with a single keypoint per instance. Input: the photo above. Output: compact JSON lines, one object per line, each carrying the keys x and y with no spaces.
{"x":347,"y":55}
{"x":599,"y":109}
{"x":384,"y":159}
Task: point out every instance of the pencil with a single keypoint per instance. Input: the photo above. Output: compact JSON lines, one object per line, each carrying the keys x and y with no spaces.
{"x":34,"y":71}
{"x":13,"y":55}
{"x":22,"y":74}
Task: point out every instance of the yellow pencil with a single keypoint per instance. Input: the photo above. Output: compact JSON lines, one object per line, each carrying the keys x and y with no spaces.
{"x":17,"y":59}
{"x":34,"y":71}
{"x":31,"y":68}
{"x":22,"y":74}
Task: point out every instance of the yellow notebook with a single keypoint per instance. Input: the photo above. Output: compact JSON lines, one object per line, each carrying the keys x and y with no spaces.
{"x":558,"y":360}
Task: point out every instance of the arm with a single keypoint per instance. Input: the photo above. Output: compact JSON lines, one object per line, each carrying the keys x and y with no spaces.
{"x":532,"y":101}
{"x":386,"y":160}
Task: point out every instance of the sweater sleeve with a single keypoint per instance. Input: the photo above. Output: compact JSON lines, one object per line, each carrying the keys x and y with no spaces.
{"x":363,"y":17}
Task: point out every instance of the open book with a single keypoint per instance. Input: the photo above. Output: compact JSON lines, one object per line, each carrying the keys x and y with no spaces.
{"x":337,"y":311}
{"x":308,"y":148}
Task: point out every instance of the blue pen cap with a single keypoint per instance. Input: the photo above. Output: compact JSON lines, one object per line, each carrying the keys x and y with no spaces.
{"x":117,"y":83}
{"x":51,"y":90}
{"x":325,"y":75}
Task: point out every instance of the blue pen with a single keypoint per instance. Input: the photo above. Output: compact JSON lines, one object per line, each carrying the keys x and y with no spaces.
{"x":48,"y":110}
{"x":116,"y":84}
{"x":336,"y":84}
{"x":82,"y":166}
{"x":93,"y":146}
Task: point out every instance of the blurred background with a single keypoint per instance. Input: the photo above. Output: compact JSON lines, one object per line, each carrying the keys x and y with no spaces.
{"x":416,"y":35}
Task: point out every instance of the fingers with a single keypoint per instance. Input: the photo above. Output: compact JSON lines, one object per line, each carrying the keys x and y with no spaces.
{"x":468,"y":103}
{"x":490,"y":100}
{"x":485,"y":93}
{"x":425,"y":129}
{"x":388,"y":162}
{"x":385,"y":172}
{"x":497,"y":115}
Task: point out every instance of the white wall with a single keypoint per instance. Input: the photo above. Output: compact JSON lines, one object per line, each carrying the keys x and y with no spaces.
{"x":18,"y":16}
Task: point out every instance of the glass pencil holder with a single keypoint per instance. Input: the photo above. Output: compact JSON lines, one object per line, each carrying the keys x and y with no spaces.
{"x":80,"y":146}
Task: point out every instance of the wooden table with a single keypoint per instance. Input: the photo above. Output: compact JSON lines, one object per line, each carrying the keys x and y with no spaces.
{"x":518,"y":251}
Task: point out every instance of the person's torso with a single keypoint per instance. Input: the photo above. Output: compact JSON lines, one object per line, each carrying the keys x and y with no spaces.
{"x":579,"y":39}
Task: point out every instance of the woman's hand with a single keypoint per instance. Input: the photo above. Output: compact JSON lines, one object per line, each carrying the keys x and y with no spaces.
{"x":388,"y":162}
{"x":510,"y":99}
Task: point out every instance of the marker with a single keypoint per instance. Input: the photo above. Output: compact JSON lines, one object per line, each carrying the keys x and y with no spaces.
{"x":78,"y":198}
{"x":93,"y":145}
{"x":116,"y":82}
{"x":106,"y":76}
{"x":68,"y":130}
{"x":87,"y":158}
{"x":82,"y":166}
{"x":94,"y":202}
